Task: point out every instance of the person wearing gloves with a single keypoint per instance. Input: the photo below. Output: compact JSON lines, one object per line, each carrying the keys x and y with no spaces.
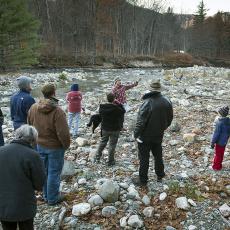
{"x":53,"y":139}
{"x":21,"y":102}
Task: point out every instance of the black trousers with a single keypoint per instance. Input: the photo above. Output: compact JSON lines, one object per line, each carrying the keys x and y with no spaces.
{"x":144,"y":154}
{"x":23,"y":225}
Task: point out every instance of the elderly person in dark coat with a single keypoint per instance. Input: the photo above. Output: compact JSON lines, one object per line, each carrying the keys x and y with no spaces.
{"x":21,"y":173}
{"x":154,"y":117}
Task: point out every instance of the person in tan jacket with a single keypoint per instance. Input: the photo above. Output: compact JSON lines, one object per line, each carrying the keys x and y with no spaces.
{"x":53,"y":139}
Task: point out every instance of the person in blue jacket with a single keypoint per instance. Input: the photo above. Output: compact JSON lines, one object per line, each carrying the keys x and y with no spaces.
{"x":1,"y":123}
{"x":220,"y":137}
{"x":21,"y":102}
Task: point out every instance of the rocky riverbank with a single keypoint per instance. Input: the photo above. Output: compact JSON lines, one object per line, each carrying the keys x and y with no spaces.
{"x":192,"y":196}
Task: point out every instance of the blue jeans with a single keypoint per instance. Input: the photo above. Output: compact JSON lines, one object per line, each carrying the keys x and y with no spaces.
{"x":53,"y":161}
{"x":73,"y":123}
{"x":1,"y":137}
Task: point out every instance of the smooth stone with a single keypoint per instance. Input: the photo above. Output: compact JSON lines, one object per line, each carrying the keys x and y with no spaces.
{"x":135,"y":222}
{"x":109,"y":211}
{"x":148,"y":212}
{"x":81,"y":209}
{"x":182,"y":203}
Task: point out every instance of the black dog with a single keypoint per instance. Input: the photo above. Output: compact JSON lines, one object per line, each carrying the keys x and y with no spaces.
{"x":95,"y":120}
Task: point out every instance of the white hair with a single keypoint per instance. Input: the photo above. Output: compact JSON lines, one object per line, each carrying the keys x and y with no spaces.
{"x":27,"y":133}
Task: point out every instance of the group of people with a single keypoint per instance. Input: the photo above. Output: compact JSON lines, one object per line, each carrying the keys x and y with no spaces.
{"x":35,"y":158}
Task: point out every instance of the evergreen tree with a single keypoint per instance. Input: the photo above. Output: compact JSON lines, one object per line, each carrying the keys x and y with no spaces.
{"x":200,"y":14}
{"x":18,"y":35}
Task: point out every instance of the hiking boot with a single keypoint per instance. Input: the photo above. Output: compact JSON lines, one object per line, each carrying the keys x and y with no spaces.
{"x":159,"y":178}
{"x":60,"y":199}
{"x":138,"y":182}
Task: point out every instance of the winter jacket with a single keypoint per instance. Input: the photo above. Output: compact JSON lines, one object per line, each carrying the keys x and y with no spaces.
{"x":154,"y":117}
{"x":112,"y":117}
{"x":74,"y":101}
{"x":222,"y":131}
{"x":50,"y":121}
{"x":21,"y":172}
{"x":20,"y":104}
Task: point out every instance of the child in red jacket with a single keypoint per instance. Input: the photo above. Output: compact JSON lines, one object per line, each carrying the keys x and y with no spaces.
{"x":74,"y":98}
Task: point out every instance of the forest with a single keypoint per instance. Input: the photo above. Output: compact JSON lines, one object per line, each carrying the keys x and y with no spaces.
{"x":88,"y":32}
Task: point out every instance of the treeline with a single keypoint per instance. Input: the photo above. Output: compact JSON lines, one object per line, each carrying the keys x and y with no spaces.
{"x":86,"y":30}
{"x":209,"y":37}
{"x":89,"y":32}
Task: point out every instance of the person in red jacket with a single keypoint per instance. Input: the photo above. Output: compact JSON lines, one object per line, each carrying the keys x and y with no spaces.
{"x":74,"y":98}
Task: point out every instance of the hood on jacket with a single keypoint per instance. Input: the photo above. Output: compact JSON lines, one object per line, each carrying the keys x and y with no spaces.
{"x":74,"y":87}
{"x":47,"y":105}
{"x":151,"y":94}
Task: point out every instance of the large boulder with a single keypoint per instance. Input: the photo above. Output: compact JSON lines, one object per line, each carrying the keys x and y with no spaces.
{"x":109,"y":191}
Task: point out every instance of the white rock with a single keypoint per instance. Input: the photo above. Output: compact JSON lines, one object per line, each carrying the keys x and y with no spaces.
{"x":135,"y":222}
{"x":109,"y":211}
{"x":133,"y":192}
{"x":182,"y":203}
{"x":228,"y":189}
{"x":81,"y":209}
{"x":184,"y":175}
{"x":123,"y":222}
{"x":148,"y":212}
{"x":190,"y":201}
{"x":162,"y":196}
{"x":81,"y":141}
{"x":173,"y":142}
{"x":82,"y":181}
{"x":192,"y":227}
{"x":189,"y":137}
{"x":124,"y":185}
{"x":225,"y":210}
{"x":75,"y":185}
{"x":95,"y":200}
{"x":146,"y":200}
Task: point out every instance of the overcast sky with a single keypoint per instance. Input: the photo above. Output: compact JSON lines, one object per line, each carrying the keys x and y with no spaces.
{"x":190,"y":6}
